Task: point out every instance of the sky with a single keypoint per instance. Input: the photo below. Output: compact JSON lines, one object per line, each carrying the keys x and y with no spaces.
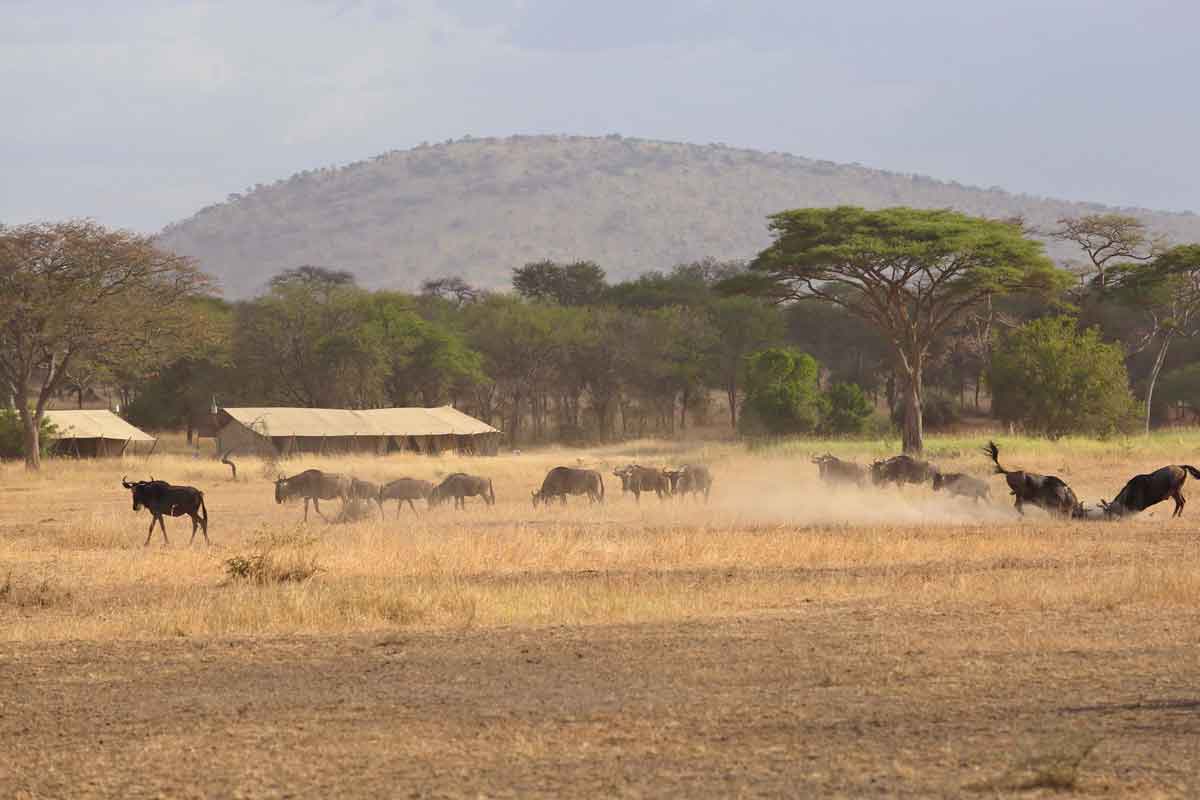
{"x":138,"y":114}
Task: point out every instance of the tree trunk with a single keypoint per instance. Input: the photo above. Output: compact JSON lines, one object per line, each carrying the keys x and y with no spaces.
{"x":1158,"y":363}
{"x":33,"y":444}
{"x":731,"y":392}
{"x":914,"y":433}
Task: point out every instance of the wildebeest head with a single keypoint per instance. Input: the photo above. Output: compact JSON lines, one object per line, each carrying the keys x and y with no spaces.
{"x":939,"y":481}
{"x":281,"y":489}
{"x":136,"y":488}
{"x":673,"y":475}
{"x":537,"y":497}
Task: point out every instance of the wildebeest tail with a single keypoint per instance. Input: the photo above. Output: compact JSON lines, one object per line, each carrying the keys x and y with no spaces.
{"x":204,"y":508}
{"x":993,"y":452}
{"x":1195,"y":472}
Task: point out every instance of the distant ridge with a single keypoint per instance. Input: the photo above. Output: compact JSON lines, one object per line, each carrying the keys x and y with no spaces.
{"x":479,"y":207}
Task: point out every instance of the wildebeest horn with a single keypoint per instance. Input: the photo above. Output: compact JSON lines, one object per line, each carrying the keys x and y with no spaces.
{"x":126,"y":483}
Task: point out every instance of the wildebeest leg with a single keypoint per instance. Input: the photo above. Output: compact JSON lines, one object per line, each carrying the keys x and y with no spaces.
{"x":1019,"y":506}
{"x":411,"y":505}
{"x":195,"y":524}
{"x":1177,"y":496}
{"x":150,"y":532}
{"x":162,"y":527}
{"x":306,"y":509}
{"x":317,"y":508}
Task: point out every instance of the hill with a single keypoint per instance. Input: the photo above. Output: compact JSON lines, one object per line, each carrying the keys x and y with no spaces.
{"x":479,"y":207}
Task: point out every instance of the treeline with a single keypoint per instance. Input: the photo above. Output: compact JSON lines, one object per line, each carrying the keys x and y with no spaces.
{"x":836,"y":327}
{"x":568,"y":356}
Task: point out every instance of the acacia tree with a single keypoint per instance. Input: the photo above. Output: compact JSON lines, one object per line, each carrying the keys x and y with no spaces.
{"x":1107,"y":239}
{"x":75,"y":291}
{"x":1167,"y":289}
{"x":909,"y":273}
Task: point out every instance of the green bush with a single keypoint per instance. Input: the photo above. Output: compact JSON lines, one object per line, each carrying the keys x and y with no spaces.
{"x":782,"y":394}
{"x":12,"y":435}
{"x":1054,"y":379}
{"x":847,"y":410}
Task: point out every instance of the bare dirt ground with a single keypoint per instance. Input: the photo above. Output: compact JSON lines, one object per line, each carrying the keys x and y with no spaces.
{"x":827,"y":700}
{"x":783,"y":640}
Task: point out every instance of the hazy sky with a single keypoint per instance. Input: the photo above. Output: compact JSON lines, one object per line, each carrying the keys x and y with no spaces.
{"x":139,"y":113}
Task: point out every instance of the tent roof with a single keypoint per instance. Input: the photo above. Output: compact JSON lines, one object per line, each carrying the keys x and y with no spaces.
{"x":275,"y":422}
{"x":94,"y":424}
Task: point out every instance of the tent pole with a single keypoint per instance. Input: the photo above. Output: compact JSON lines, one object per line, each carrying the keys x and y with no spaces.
{"x":153,"y":447}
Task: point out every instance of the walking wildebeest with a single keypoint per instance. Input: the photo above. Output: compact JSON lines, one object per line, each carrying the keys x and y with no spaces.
{"x":832,"y":469}
{"x":406,"y":489}
{"x":315,"y":485}
{"x":690,"y":479}
{"x":1047,"y":492}
{"x":962,"y":485}
{"x":637,"y":479}
{"x":901,"y":470}
{"x":365,"y":490}
{"x":160,"y":497}
{"x":460,"y":486}
{"x":562,"y":481}
{"x":1143,"y":491}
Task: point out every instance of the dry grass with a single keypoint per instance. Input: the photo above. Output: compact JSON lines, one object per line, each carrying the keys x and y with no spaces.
{"x":772,"y":538}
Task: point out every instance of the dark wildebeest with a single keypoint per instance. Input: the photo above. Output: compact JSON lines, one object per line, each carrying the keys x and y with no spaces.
{"x":315,"y":485}
{"x":690,"y":479}
{"x":962,"y":485}
{"x":365,"y":490}
{"x":160,"y":497}
{"x":901,"y":470}
{"x":562,"y":481}
{"x":832,"y":469}
{"x":1143,"y":491}
{"x":406,"y":489}
{"x":460,"y":486}
{"x":637,"y":479}
{"x":1048,"y":492}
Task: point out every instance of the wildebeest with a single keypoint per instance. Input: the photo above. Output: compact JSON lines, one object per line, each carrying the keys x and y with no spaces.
{"x":637,"y":479}
{"x":962,"y":485}
{"x":461,"y":486}
{"x":315,"y":485}
{"x":160,"y":497}
{"x":1047,"y":492}
{"x":690,"y":479}
{"x":365,"y":490}
{"x":562,"y":481}
{"x":900,"y":470}
{"x":1143,"y":491}
{"x":405,"y":489}
{"x":832,"y":469}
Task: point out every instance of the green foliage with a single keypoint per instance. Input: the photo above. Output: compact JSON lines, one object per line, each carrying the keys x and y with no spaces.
{"x":1054,"y":379}
{"x":1179,"y":386}
{"x":782,"y":395}
{"x":579,"y":283}
{"x":847,"y":410}
{"x":909,"y":273}
{"x":12,"y":435}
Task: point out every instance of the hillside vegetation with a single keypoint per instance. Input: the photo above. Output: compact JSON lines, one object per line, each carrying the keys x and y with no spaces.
{"x":479,"y":207}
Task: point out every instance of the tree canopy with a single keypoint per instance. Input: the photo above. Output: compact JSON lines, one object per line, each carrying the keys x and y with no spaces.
{"x":910,"y":273}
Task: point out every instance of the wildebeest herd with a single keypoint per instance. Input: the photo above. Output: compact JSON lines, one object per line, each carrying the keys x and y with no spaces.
{"x":1048,"y":492}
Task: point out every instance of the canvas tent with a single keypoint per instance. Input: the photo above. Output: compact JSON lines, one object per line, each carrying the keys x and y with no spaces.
{"x":94,"y":433}
{"x":291,"y":431}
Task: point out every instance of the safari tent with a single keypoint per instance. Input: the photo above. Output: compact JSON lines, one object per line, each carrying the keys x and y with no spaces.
{"x":293,"y":431}
{"x":95,"y":433}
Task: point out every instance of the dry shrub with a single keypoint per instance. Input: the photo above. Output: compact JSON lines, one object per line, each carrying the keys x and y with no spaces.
{"x":356,"y":510}
{"x":1055,"y":768}
{"x":43,"y":593}
{"x":279,"y":558}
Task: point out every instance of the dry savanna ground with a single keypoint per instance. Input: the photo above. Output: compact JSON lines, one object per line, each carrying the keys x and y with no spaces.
{"x":784,"y":638}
